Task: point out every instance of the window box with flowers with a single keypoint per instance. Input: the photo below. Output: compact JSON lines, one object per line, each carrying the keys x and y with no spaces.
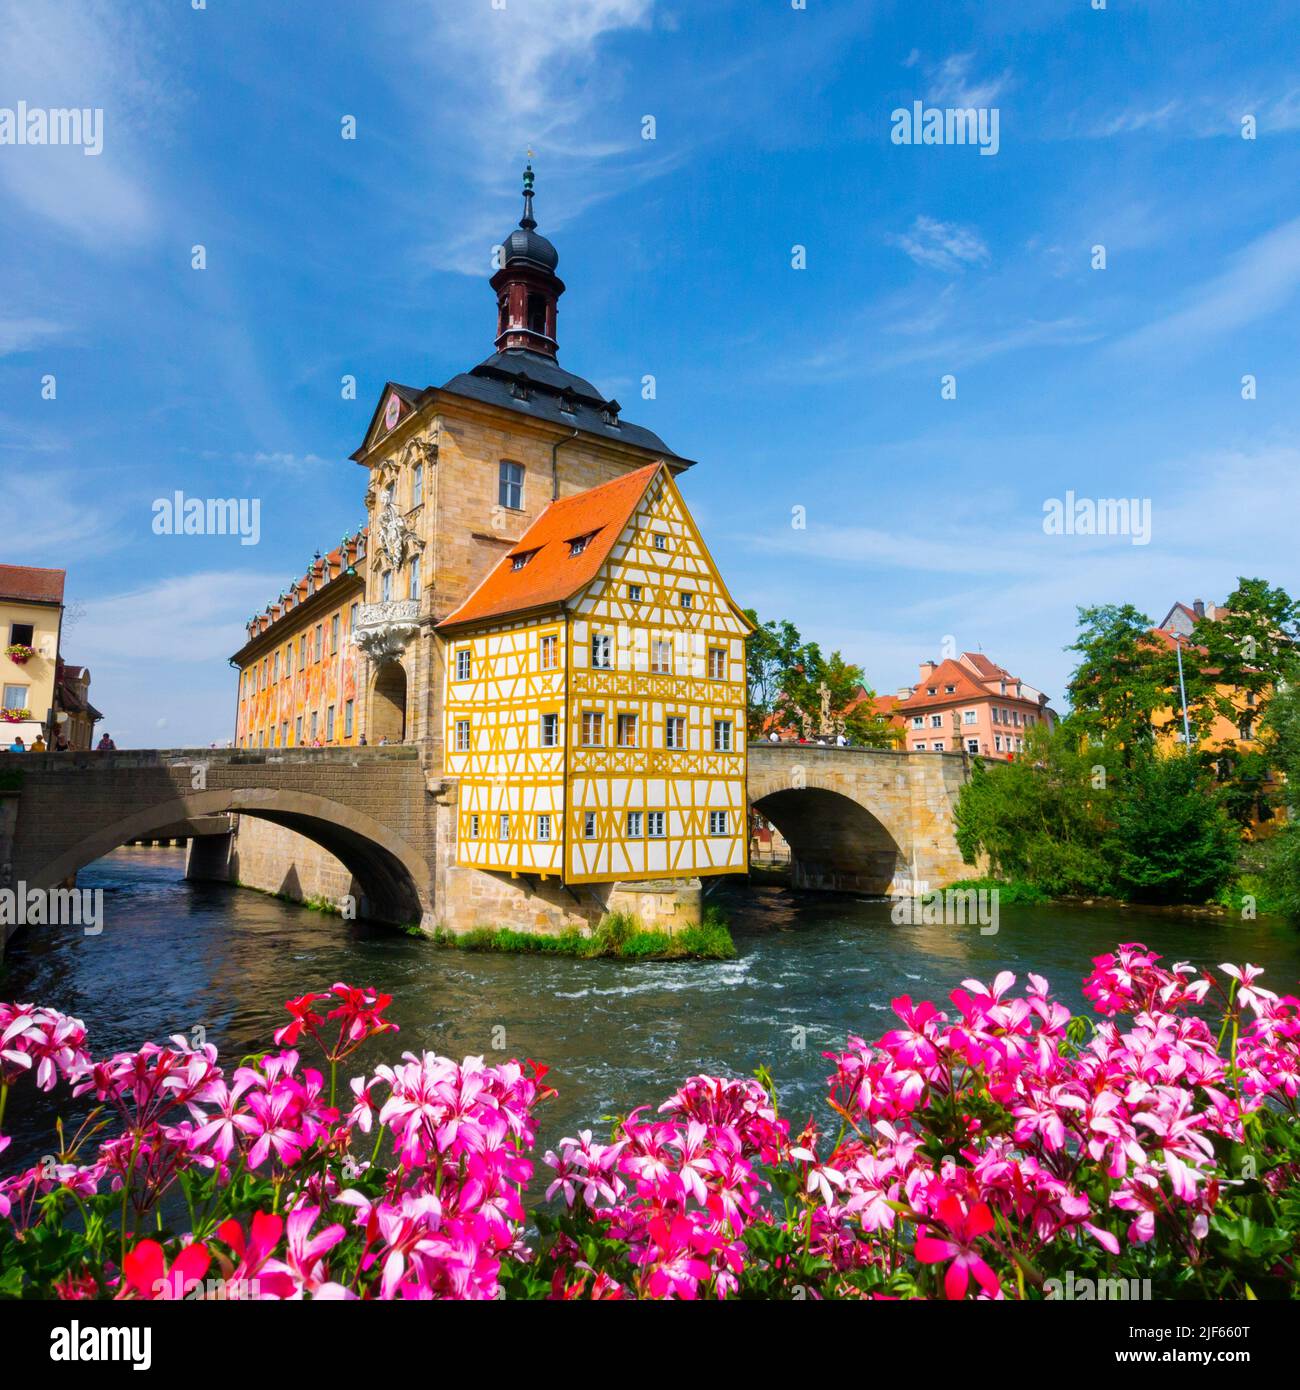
{"x":20,"y":652}
{"x":16,"y":716}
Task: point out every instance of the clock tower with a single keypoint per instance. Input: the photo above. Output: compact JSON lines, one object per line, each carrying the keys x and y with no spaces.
{"x":527,"y":286}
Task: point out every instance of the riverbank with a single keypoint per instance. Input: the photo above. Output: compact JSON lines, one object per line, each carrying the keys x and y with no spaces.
{"x":618,"y":937}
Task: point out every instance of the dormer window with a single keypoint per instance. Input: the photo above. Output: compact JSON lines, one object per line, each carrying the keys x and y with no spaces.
{"x":520,"y":561}
{"x":931,"y":689}
{"x":569,"y":404}
{"x":579,"y":543}
{"x":950,"y":689}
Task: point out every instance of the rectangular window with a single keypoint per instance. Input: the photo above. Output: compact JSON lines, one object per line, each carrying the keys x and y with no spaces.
{"x":722,"y":735}
{"x":593,"y":728}
{"x":918,"y":721}
{"x":661,"y":541}
{"x":16,"y":696}
{"x":275,"y":667}
{"x":473,"y":827}
{"x":347,"y":719}
{"x":329,"y":724}
{"x":413,"y":586}
{"x":510,"y":486}
{"x":717,"y":822}
{"x":320,"y":640}
{"x":463,"y":666}
{"x":302,"y":651}
{"x":717,"y":663}
{"x":686,"y":598}
{"x":22,"y":634}
{"x":661,"y":658}
{"x":550,"y":652}
{"x":997,"y":743}
{"x":918,"y":748}
{"x":352,"y":617}
{"x":315,"y":725}
{"x":589,"y":825}
{"x":654,"y":825}
{"x":503,"y":826}
{"x":335,"y":622}
{"x":972,"y":745}
{"x":462,"y":736}
{"x":675,"y":731}
{"x":297,"y":730}
{"x":543,"y":827}
{"x":968,"y":716}
{"x":634,"y":592}
{"x":288,"y":660}
{"x":938,"y":745}
{"x":602,"y":651}
{"x":417,"y":485}
{"x":634,"y":825}
{"x":550,"y":730}
{"x":627,"y":731}
{"x":936,"y":721}
{"x":386,"y":587}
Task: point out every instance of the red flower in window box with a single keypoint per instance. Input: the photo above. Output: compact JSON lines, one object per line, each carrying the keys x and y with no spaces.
{"x":20,"y":652}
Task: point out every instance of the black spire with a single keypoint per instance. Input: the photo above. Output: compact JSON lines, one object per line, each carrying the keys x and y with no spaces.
{"x":528,"y":221}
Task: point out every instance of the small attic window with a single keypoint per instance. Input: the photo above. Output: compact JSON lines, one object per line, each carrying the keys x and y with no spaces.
{"x":569,"y":404}
{"x":578,"y":544}
{"x":520,"y":561}
{"x":950,"y":689}
{"x":931,"y":689}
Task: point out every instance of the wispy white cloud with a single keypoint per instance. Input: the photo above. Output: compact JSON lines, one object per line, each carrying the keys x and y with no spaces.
{"x":90,"y":54}
{"x":1261,"y":279}
{"x":953,"y":83}
{"x":20,"y":334}
{"x":943,"y":246}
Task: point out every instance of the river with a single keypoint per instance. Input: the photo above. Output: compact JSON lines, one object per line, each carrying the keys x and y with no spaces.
{"x":175,"y":956}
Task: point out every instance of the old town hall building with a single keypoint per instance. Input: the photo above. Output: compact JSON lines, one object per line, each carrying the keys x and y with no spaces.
{"x":531,"y":606}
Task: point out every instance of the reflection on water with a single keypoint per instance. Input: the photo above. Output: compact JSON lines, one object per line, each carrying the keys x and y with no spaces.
{"x":176,"y":956}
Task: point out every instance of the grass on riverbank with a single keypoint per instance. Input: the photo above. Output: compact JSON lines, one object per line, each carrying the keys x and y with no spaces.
{"x":1011,"y":892}
{"x":617,"y":936}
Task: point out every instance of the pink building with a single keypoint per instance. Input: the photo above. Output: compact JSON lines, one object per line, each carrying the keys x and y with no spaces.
{"x":970,"y":703}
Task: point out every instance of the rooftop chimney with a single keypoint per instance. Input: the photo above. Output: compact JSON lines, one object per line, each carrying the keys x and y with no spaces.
{"x":1198,"y":607}
{"x":928,"y":668}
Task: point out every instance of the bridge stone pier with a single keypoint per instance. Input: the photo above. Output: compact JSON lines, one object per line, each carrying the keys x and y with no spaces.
{"x":861,"y":819}
{"x":367,"y":807}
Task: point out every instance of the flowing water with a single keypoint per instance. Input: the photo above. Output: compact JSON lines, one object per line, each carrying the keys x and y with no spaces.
{"x":175,"y":956}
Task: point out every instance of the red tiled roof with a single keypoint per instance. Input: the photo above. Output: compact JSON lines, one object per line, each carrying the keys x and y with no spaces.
{"x":948,"y":672}
{"x":553,"y":573}
{"x":24,"y":582}
{"x":990,"y":670}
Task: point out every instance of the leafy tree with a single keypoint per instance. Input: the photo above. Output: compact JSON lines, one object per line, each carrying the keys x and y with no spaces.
{"x":1123,"y":677}
{"x":773,"y":651}
{"x":1042,"y":817}
{"x":1171,"y":840}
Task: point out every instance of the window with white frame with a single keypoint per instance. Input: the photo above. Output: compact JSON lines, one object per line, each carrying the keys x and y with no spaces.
{"x":464,"y":664}
{"x":717,"y":663}
{"x":549,"y":651}
{"x":686,"y":598}
{"x":473,"y":827}
{"x":968,"y":716}
{"x":722,"y":735}
{"x":593,"y":728}
{"x":627,"y":731}
{"x":589,"y":825}
{"x":417,"y":485}
{"x":413,"y":584}
{"x":543,"y":827}
{"x":550,"y":729}
{"x":503,"y":826}
{"x":918,"y":721}
{"x":462,"y":736}
{"x":675,"y":731}
{"x":936,"y":721}
{"x":602,"y":651}
{"x":634,"y":825}
{"x":661,"y":657}
{"x":717,"y":822}
{"x":510,"y":485}
{"x":654,"y":825}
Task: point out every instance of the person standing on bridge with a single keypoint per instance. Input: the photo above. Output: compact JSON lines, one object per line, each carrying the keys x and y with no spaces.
{"x":105,"y":745}
{"x":39,"y":745}
{"x":18,"y":746}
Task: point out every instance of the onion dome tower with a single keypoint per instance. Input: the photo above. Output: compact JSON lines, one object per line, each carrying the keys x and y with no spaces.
{"x":527,"y":287}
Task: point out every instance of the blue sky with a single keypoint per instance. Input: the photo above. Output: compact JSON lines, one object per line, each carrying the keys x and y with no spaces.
{"x":816,"y":388}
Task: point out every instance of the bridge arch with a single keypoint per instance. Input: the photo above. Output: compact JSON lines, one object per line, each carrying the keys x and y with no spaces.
{"x":395,"y":880}
{"x":836,"y":843}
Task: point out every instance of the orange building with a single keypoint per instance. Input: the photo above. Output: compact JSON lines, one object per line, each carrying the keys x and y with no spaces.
{"x":970,"y":704}
{"x":298,"y":669}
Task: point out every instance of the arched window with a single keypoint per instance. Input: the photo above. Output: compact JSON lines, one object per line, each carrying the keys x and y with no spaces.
{"x":537,"y":313}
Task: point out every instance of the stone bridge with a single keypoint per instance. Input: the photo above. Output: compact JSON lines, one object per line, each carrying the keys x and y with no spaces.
{"x":861,"y":819}
{"x":856,"y":819}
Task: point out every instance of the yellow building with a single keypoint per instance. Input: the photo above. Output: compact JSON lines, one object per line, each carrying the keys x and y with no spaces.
{"x":595,"y":696}
{"x":31,"y":616}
